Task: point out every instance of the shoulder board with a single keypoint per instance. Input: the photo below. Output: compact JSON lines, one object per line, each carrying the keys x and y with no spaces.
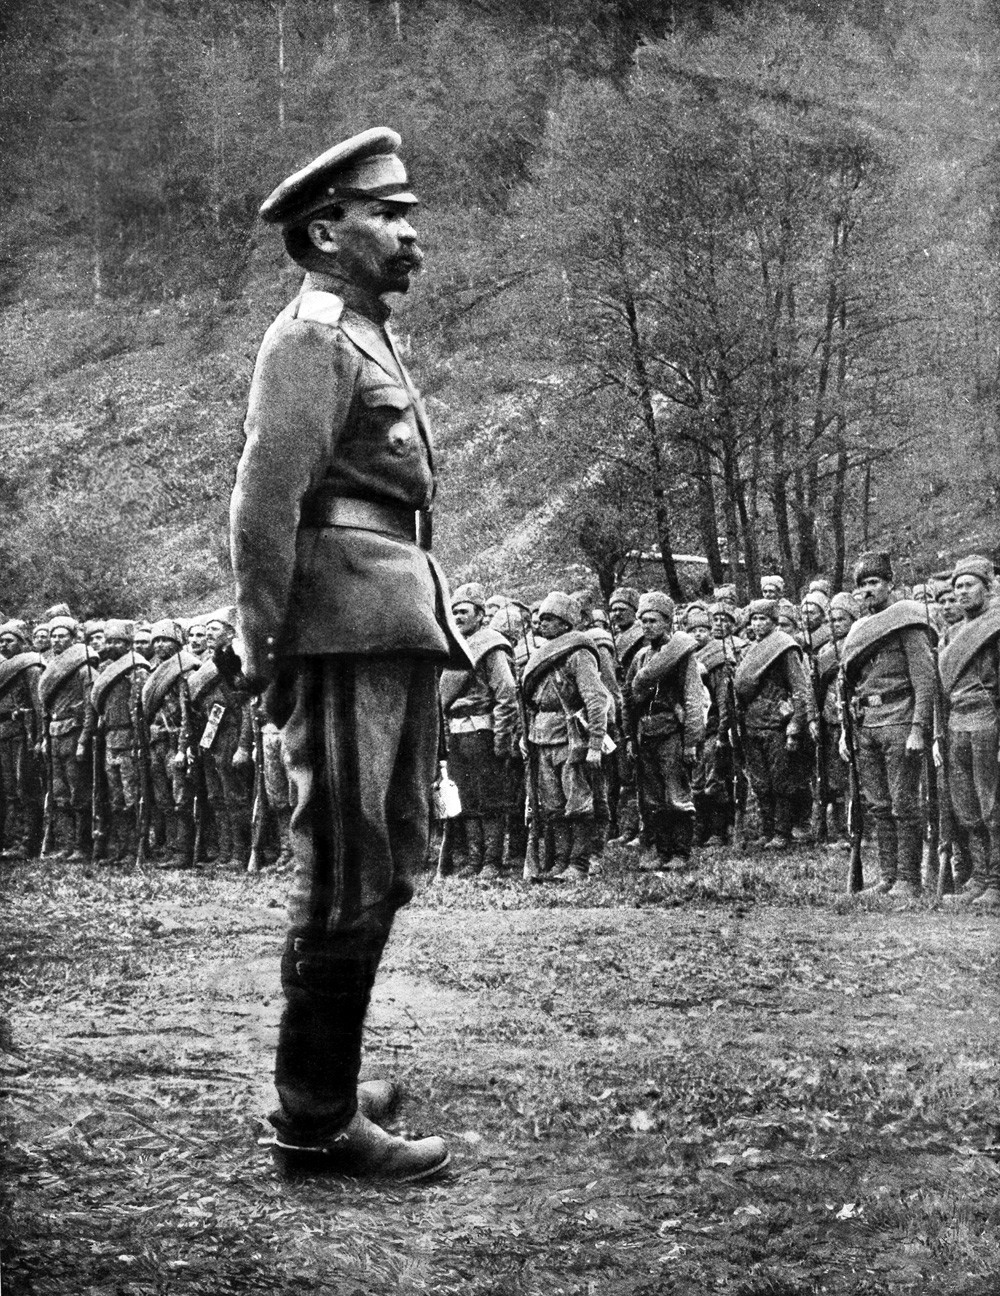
{"x":319,"y":307}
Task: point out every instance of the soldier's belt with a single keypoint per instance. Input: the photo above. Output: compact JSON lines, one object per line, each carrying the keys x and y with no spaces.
{"x":361,"y":515}
{"x":866,"y":700}
{"x":469,"y":724}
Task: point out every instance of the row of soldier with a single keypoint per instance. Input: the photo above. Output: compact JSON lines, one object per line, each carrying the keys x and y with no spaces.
{"x":122,"y":742}
{"x":647,"y":727}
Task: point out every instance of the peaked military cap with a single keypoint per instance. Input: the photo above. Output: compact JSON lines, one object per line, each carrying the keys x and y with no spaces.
{"x":364,"y":166}
{"x":471,"y":593}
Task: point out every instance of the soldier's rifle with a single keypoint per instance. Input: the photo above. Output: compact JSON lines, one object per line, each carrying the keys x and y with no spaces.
{"x":258,"y":822}
{"x":140,"y":755}
{"x":49,"y":801}
{"x":98,"y":822}
{"x":532,"y":862}
{"x":855,"y":808}
{"x":821,"y":794}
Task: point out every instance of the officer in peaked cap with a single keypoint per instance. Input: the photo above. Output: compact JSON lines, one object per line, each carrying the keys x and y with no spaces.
{"x":346,"y":621}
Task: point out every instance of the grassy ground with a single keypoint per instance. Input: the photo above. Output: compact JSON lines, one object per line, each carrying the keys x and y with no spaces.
{"x":649,"y":1085}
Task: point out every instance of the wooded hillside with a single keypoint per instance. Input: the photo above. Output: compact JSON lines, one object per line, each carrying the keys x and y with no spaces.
{"x":710,"y":277}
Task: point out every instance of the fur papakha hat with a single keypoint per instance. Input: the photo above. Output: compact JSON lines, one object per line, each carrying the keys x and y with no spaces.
{"x":874,"y":563}
{"x":657,"y":601}
{"x":626,"y":595}
{"x":560,"y":605}
{"x":472,"y":593}
{"x":846,"y":602}
{"x":974,"y":565}
{"x":764,"y":607}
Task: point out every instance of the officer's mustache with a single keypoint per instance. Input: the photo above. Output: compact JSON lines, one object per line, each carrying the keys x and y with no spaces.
{"x":412,"y":259}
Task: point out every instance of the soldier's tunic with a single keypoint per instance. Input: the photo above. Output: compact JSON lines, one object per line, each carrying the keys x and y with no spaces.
{"x":21,"y":724}
{"x":773,"y":698}
{"x":664,"y":700}
{"x":888,"y":678}
{"x":164,"y":706}
{"x":970,"y":677}
{"x":114,"y":698}
{"x":605,"y":780}
{"x":349,"y":616}
{"x":827,"y":667}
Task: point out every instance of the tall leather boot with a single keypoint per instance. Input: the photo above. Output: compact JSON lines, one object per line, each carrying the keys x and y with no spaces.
{"x":240,"y":855}
{"x":580,"y":832}
{"x":970,"y":866}
{"x":492,"y":829}
{"x":684,"y":830}
{"x":784,"y":812}
{"x":910,"y":858}
{"x":702,"y":818}
{"x":33,"y":829}
{"x":719,"y":825}
{"x":887,"y":848}
{"x":224,"y":836}
{"x":80,"y":829}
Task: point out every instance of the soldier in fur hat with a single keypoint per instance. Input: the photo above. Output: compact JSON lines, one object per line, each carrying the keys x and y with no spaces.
{"x":887,"y":672}
{"x":20,"y":740}
{"x":567,"y":722}
{"x":480,"y":711}
{"x":64,"y":689}
{"x":166,"y":713}
{"x":664,"y":700}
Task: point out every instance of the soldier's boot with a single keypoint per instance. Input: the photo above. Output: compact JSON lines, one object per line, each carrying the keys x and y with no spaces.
{"x":33,"y":830}
{"x":765,"y":812}
{"x":79,"y":828}
{"x":517,"y":842}
{"x":781,"y":837}
{"x":242,"y":841}
{"x":158,"y":833}
{"x":562,"y":838}
{"x":285,"y":852}
{"x":474,"y":843}
{"x":128,"y":837}
{"x":887,"y":849}
{"x":910,"y":857}
{"x":990,"y":897}
{"x":971,"y":865}
{"x":492,"y":828}
{"x":580,"y":830}
{"x":684,"y":836}
{"x":224,"y":837}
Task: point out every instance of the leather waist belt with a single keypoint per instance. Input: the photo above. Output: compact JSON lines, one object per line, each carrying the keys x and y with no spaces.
{"x":469,"y":724}
{"x":361,"y":515}
{"x":866,"y":700}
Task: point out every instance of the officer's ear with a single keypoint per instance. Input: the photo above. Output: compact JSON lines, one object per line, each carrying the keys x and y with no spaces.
{"x":324,"y":233}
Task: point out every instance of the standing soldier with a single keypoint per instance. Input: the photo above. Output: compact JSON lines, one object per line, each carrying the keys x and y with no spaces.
{"x":480,"y":711}
{"x":40,"y":641}
{"x":223,"y":731}
{"x":712,"y":785}
{"x":970,"y":677}
{"x":346,"y":622}
{"x":844,"y":611}
{"x":197,"y":638}
{"x":773,"y":697}
{"x":623,"y":610}
{"x":514,"y":623}
{"x":888,"y":678}
{"x":113,"y":718}
{"x":664,"y":700}
{"x":64,"y":689}
{"x":567,"y":709}
{"x":20,"y":739}
{"x":165,"y":709}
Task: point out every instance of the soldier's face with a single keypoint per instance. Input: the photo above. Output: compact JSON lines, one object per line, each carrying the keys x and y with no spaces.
{"x":40,"y":641}
{"x":468,"y":618}
{"x":970,"y":594}
{"x":761,"y":626}
{"x":874,"y":593}
{"x":60,"y":640}
{"x":215,"y":635}
{"x":551,"y":627}
{"x":9,"y":645}
{"x":701,"y":635}
{"x":96,"y":641}
{"x":840,"y":623}
{"x":812,"y":616}
{"x":115,"y":648}
{"x":655,"y":626}
{"x":196,"y":638}
{"x":374,"y":244}
{"x":163,"y":648}
{"x":622,"y":616}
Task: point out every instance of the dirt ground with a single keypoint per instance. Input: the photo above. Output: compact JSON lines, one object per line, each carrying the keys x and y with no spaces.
{"x":731,"y":1082}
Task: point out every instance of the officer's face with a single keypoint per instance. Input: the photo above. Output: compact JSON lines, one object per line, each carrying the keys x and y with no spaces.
{"x":874,"y":593}
{"x":60,"y":640}
{"x":622,"y":616}
{"x":374,"y":244}
{"x":468,"y":618}
{"x":970,"y":594}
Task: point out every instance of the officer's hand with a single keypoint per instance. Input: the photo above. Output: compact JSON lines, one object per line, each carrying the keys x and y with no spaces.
{"x":915,"y":741}
{"x":241,"y":758}
{"x":593,"y":758}
{"x":937,"y":754}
